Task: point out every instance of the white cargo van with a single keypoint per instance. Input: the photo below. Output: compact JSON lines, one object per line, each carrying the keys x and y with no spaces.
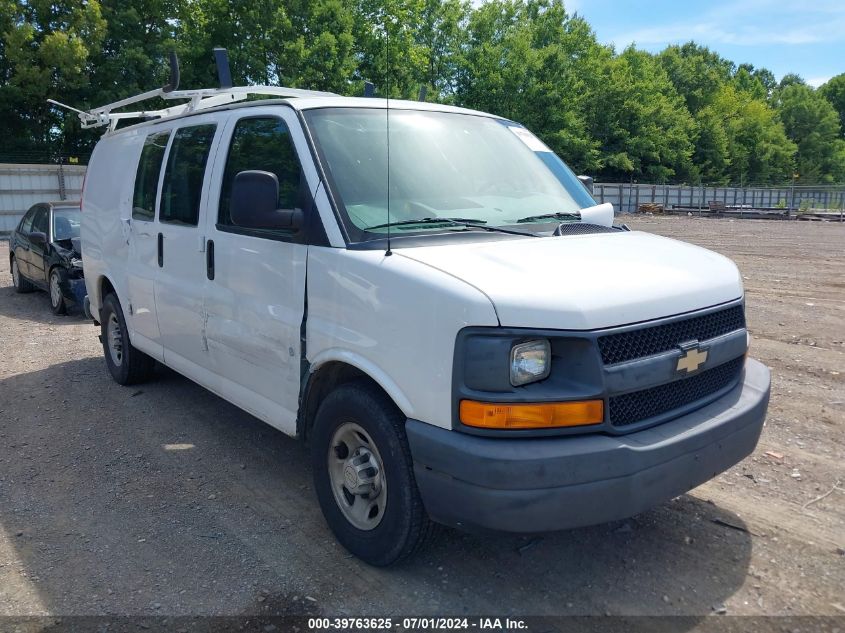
{"x":450,"y":320}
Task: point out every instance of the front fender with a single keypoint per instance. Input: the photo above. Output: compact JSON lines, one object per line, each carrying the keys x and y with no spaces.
{"x":393,"y":318}
{"x":371,"y":369}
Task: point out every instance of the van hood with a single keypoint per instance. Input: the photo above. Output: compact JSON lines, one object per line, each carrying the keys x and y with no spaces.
{"x":587,"y":282}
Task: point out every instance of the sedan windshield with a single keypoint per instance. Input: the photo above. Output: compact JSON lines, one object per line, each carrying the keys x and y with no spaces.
{"x":467,"y":169}
{"x":66,"y":223}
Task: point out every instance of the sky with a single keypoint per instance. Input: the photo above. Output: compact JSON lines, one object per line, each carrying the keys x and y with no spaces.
{"x":805,"y":37}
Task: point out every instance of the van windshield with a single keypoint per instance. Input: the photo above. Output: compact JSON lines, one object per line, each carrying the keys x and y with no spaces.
{"x":475,"y":169}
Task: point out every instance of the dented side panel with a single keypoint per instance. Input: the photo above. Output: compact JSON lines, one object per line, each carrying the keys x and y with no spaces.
{"x":253,"y":313}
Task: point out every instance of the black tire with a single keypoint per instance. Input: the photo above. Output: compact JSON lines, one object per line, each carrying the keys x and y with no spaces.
{"x":18,"y":280}
{"x":57,"y":301}
{"x":130,"y":366}
{"x":404,"y":526}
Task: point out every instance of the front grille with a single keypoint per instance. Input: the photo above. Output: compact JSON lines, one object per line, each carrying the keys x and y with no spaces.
{"x":624,"y":346}
{"x":638,"y":406}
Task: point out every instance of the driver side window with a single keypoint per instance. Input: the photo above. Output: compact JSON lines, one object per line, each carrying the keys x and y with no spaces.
{"x":262,"y":143}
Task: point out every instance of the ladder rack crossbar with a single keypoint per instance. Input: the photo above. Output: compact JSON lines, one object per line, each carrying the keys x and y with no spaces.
{"x":200,"y":99}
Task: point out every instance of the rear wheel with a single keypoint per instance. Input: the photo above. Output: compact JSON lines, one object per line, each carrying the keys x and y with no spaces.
{"x":126,"y":364}
{"x":364,"y":477}
{"x":57,"y":300}
{"x":20,"y":283}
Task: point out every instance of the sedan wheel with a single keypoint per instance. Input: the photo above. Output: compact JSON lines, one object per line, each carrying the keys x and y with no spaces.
{"x":57,"y":301}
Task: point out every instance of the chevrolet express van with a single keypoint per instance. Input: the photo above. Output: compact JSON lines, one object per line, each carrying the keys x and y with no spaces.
{"x":449,"y":319}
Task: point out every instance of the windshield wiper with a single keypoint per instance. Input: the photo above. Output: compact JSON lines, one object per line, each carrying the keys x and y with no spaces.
{"x":460,"y":222}
{"x":449,"y":221}
{"x":576,"y":217}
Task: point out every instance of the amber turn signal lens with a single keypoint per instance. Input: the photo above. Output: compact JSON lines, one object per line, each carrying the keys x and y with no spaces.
{"x":490,"y":415}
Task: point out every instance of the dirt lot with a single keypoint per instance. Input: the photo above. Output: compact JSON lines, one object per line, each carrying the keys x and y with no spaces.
{"x":164,"y":499}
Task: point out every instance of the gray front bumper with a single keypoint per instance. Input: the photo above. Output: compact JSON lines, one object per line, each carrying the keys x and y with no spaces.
{"x":545,"y":484}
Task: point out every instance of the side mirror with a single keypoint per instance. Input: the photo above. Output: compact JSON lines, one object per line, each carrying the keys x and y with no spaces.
{"x":587,"y":181}
{"x":601,"y":214}
{"x":37,"y":237}
{"x":253,"y":203}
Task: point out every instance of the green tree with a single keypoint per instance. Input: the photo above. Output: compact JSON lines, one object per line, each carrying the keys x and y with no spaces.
{"x":834,"y":92}
{"x":323,"y":52}
{"x":696,"y":72}
{"x":758,"y":82}
{"x":758,"y":149}
{"x":711,"y":158}
{"x":298,"y":43}
{"x":46,"y":48}
{"x":440,"y":37}
{"x":425,"y":40}
{"x":791,"y":79}
{"x":686,"y":113}
{"x":533,"y":63}
{"x":132,"y":59}
{"x":640,"y":120}
{"x":138,"y":38}
{"x":813,"y":125}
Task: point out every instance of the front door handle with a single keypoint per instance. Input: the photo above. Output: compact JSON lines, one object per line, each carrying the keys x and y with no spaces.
{"x":160,"y":250}
{"x":209,"y":259}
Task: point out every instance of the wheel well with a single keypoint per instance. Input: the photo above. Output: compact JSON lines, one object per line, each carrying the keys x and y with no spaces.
{"x":320,"y":384}
{"x":106,"y":288}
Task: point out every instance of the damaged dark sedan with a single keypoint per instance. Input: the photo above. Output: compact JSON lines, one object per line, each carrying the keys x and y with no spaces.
{"x":45,"y":253}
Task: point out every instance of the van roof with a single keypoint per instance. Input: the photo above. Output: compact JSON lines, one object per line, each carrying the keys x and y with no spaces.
{"x":312,"y":103}
{"x":309,"y":103}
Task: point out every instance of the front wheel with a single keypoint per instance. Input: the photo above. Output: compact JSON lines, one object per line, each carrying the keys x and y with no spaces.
{"x":364,"y":477}
{"x":126,"y":364}
{"x":57,"y":300}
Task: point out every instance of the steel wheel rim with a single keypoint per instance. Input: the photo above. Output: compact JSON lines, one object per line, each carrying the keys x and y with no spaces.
{"x":55,"y":291}
{"x":114,"y":338}
{"x":356,"y":475}
{"x":16,"y":277}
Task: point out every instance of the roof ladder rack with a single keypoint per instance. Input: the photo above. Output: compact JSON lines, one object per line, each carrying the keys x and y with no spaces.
{"x":199,"y":99}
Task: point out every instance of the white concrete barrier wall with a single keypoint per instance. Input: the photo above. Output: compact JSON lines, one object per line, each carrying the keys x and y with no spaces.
{"x":22,"y":186}
{"x":626,"y":198}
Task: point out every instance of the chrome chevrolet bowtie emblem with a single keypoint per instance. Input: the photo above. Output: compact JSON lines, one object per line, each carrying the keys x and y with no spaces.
{"x":691,"y":359}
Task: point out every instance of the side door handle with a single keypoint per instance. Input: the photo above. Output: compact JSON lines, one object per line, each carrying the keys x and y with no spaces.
{"x":160,"y":250}
{"x":209,"y":259}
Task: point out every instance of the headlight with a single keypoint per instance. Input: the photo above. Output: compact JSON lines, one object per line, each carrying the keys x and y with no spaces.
{"x":530,"y":361}
{"x":76,"y":262}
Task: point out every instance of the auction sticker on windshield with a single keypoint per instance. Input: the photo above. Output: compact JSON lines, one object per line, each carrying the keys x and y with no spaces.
{"x":533,"y":143}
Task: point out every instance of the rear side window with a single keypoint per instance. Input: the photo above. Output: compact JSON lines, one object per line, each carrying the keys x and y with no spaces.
{"x":263,"y":144}
{"x":183,"y":177}
{"x":146,"y":179}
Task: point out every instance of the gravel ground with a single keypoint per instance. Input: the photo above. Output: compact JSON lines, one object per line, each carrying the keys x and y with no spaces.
{"x":164,"y":499}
